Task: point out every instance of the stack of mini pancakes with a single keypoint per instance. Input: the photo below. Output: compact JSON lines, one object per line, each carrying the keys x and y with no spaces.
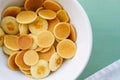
{"x":37,"y":37}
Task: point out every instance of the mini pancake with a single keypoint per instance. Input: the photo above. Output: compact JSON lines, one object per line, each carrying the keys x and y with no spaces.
{"x":45,"y":39}
{"x":47,"y":14}
{"x":61,"y":30}
{"x":25,"y":71}
{"x":52,"y":5}
{"x":33,"y":5}
{"x":11,"y":11}
{"x":72,"y":36}
{"x":31,"y":57}
{"x":38,"y":25}
{"x":63,"y":16}
{"x":26,"y":17}
{"x":24,"y":42}
{"x":11,"y":62}
{"x":23,"y":28}
{"x":45,"y":49}
{"x":38,"y":49}
{"x":8,"y":51}
{"x":55,"y":62}
{"x":34,"y":45}
{"x":1,"y":36}
{"x":19,"y":61}
{"x":9,"y":25}
{"x":11,"y":42}
{"x":46,"y":55}
{"x":40,"y":70}
{"x":52,"y":23}
{"x":66,"y":48}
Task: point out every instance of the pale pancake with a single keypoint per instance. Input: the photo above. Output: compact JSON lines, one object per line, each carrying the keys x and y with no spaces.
{"x":52,"y":5}
{"x":26,"y":17}
{"x":11,"y":11}
{"x":8,"y":51}
{"x":38,"y":25}
{"x":19,"y":61}
{"x":55,"y":62}
{"x":52,"y":23}
{"x":73,"y":35}
{"x":23,"y":29}
{"x":62,"y":30}
{"x":34,"y":45}
{"x":40,"y":70}
{"x":25,"y":71}
{"x":9,"y":25}
{"x":45,"y":49}
{"x":33,"y":4}
{"x":38,"y":49}
{"x":48,"y":54}
{"x":31,"y":57}
{"x":63,"y":16}
{"x":47,"y":14}
{"x":45,"y":39}
{"x":11,"y":62}
{"x":24,"y":42}
{"x":11,"y":42}
{"x":66,"y":48}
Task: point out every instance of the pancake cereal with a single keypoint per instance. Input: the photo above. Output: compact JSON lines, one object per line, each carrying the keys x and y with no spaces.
{"x":37,"y":37}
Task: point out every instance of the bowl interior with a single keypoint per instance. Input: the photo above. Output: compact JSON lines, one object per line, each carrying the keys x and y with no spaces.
{"x":70,"y":68}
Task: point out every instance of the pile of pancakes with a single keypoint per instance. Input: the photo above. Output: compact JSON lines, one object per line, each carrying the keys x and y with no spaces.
{"x":37,"y":37}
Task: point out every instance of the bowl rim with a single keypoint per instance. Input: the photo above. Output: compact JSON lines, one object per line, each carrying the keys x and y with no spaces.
{"x":91,"y":35}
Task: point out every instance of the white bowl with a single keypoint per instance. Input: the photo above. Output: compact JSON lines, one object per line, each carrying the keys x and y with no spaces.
{"x":70,"y":69}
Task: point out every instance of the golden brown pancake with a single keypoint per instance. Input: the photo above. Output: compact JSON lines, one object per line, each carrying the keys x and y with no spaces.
{"x":61,"y":30}
{"x":52,"y":5}
{"x":48,"y":54}
{"x":11,"y":62}
{"x":45,"y":39}
{"x":26,"y":17}
{"x":19,"y":61}
{"x":24,"y":41}
{"x":63,"y":16}
{"x":31,"y":57}
{"x":52,"y":23}
{"x":47,"y":14}
{"x":1,"y":36}
{"x":11,"y":11}
{"x":38,"y":25}
{"x":73,"y":35}
{"x":66,"y":48}
{"x":11,"y":42}
{"x":33,"y":4}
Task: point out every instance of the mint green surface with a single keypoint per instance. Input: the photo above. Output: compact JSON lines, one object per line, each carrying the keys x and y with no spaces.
{"x":104,"y":16}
